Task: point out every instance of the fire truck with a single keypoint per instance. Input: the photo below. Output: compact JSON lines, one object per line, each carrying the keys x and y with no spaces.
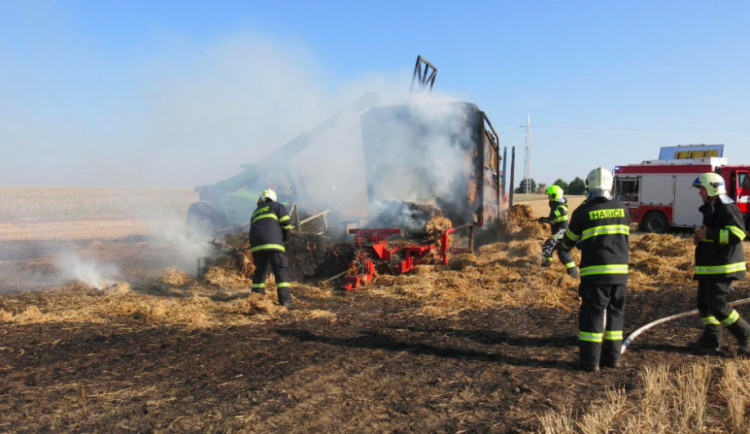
{"x":659,"y":194}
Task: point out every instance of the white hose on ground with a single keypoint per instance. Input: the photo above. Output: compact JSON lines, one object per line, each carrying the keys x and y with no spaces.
{"x":635,"y":334}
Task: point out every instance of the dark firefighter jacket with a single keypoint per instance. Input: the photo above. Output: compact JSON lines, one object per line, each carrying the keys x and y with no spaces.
{"x":720,"y":255}
{"x":269,"y":225}
{"x":600,"y":228}
{"x":558,"y":215}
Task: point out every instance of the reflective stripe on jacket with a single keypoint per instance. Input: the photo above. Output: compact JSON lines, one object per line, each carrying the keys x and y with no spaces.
{"x":558,"y":215}
{"x":268,"y":224}
{"x":720,"y":254}
{"x":600,"y":228}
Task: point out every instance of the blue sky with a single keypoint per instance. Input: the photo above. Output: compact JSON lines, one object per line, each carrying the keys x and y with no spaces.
{"x":180,"y":93}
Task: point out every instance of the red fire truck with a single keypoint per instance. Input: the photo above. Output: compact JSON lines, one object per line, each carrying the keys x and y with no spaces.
{"x":659,"y":193}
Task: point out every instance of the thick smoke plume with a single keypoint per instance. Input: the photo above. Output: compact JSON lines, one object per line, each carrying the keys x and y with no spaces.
{"x":403,"y":151}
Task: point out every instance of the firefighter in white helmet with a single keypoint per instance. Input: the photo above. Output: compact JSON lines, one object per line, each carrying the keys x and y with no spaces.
{"x":600,"y":228}
{"x":719,"y":259}
{"x":558,"y":219}
{"x":269,"y":228}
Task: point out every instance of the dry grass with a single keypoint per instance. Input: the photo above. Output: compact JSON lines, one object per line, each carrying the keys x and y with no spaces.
{"x":194,"y":306}
{"x":671,"y":401}
{"x":735,"y":390}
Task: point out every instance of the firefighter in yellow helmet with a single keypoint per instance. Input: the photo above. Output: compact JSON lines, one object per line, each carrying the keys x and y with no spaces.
{"x":269,"y":228}
{"x":600,"y":227}
{"x":719,"y":259}
{"x":558,"y":219}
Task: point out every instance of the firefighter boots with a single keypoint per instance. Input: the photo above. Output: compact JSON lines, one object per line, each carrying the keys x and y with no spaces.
{"x":741,"y":330}
{"x":285,"y":297}
{"x":709,"y":342}
{"x":587,"y":366}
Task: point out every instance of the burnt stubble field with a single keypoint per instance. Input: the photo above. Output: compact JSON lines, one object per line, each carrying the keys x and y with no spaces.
{"x":486,"y":344}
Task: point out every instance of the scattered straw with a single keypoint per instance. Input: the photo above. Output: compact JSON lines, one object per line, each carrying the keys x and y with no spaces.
{"x":175,"y":277}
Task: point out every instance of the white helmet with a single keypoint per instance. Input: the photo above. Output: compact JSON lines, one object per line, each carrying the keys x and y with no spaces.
{"x":267,"y":194}
{"x":599,"y":183}
{"x":712,"y":182}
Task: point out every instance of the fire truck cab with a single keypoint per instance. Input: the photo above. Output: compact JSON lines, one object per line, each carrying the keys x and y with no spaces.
{"x":659,"y":194}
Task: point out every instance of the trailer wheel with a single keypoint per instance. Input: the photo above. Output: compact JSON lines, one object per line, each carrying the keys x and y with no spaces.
{"x":655,"y":222}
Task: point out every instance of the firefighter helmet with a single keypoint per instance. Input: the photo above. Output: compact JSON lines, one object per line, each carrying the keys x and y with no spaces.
{"x":599,"y":183}
{"x":266,"y":195}
{"x":555,"y":192}
{"x":712,"y":182}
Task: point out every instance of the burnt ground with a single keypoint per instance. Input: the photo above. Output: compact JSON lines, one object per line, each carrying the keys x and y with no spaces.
{"x":377,"y":368}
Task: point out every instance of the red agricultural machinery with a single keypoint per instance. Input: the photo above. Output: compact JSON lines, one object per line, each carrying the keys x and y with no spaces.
{"x":375,"y":254}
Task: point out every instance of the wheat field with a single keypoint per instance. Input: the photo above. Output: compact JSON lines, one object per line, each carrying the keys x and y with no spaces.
{"x":71,"y":213}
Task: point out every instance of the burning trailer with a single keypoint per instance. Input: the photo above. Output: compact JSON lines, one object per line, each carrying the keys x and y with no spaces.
{"x":421,"y":173}
{"x":443,"y":158}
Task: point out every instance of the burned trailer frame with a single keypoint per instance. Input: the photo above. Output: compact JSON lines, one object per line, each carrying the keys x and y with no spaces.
{"x":446,"y":154}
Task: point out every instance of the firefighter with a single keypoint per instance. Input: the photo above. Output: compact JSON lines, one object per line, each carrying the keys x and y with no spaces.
{"x":719,"y":260}
{"x":558,"y":219}
{"x":600,"y":228}
{"x":269,"y":228}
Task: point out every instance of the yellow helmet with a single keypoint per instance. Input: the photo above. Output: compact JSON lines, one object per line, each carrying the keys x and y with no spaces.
{"x":267,"y":194}
{"x":555,"y":192}
{"x":712,"y":182}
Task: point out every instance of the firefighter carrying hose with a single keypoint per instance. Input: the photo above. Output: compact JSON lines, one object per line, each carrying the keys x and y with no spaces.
{"x":600,"y":228}
{"x":719,"y":259}
{"x":269,"y":228}
{"x":558,"y":219}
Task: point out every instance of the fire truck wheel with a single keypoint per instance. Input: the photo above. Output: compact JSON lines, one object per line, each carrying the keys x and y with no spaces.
{"x":655,"y":222}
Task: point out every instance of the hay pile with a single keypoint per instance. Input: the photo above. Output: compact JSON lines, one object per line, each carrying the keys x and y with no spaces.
{"x":79,"y":303}
{"x":174,"y":277}
{"x":520,"y":224}
{"x":656,"y":258}
{"x":437,"y":226}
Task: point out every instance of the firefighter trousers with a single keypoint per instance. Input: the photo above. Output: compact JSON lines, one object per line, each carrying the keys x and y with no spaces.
{"x":716,"y":312}
{"x":280,"y":267}
{"x":553,"y":245}
{"x":600,"y":323}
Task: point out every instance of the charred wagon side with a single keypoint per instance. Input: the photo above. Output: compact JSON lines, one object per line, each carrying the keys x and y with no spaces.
{"x":445,"y":154}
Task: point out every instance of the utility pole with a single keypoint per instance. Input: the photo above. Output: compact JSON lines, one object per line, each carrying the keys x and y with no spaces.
{"x":527,"y":158}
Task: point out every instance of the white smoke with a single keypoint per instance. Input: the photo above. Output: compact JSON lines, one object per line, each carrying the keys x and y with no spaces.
{"x":187,"y":247}
{"x":95,"y":274}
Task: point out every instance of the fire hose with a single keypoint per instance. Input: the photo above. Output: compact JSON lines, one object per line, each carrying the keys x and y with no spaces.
{"x":635,"y":334}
